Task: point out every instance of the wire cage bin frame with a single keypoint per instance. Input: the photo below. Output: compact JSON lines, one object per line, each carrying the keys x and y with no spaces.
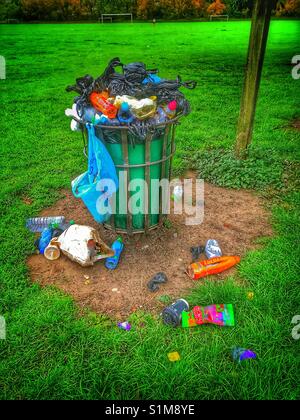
{"x":147,"y":160}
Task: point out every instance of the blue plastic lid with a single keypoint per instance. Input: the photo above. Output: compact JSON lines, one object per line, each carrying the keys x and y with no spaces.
{"x":124,"y":107}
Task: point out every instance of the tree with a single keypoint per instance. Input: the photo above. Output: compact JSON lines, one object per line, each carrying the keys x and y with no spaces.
{"x":216,"y":8}
{"x":90,"y":6}
{"x":148,"y":9}
{"x":256,"y":52}
{"x":10,"y":9}
{"x":51,"y":9}
{"x":292,"y":8}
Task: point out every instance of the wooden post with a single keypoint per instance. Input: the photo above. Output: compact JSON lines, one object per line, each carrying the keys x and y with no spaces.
{"x":256,"y":52}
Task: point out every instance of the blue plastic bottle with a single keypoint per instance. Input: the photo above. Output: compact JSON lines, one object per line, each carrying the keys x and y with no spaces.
{"x":112,"y":262}
{"x":89,"y":114}
{"x":160,"y":116}
{"x":45,"y":239}
{"x":104,"y":120}
{"x":124,"y":114}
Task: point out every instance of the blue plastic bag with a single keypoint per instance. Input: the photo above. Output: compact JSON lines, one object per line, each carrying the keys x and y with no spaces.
{"x":96,"y":186}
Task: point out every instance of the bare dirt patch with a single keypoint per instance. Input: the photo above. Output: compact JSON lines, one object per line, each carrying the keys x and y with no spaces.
{"x":235,"y":218}
{"x":296,"y":124}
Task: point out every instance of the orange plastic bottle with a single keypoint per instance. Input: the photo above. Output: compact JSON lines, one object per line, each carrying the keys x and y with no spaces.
{"x":100,"y":102}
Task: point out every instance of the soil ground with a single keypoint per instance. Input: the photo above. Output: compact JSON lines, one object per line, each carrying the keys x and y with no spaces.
{"x":235,"y":218}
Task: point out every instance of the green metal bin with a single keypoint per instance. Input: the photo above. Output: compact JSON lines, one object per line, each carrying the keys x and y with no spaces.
{"x":146,"y":160}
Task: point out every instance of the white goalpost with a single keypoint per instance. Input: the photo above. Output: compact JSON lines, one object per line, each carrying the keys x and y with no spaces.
{"x":109,"y":16}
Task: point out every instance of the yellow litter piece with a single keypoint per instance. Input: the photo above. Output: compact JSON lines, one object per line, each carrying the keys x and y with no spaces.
{"x":174,"y":356}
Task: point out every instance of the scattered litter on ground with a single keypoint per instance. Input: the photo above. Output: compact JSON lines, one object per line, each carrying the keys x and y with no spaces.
{"x":172,"y":314}
{"x":197,"y":251}
{"x":249,"y":220}
{"x":115,"y":289}
{"x":211,"y":266}
{"x":52,"y":252}
{"x":250,"y":295}
{"x":239,"y":354}
{"x":156,"y":280}
{"x":38,"y":224}
{"x":174,"y":356}
{"x":124,"y":326}
{"x":45,"y":239}
{"x":219,"y":314}
{"x":83,"y":245}
{"x":117,"y":247}
{"x":212,"y":249}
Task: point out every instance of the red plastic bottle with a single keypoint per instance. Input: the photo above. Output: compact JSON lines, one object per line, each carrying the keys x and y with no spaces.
{"x":100,"y":102}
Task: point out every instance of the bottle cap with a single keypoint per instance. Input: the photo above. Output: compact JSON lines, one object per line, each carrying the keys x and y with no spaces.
{"x":103,"y":119}
{"x":125,"y":107}
{"x":172,"y":106}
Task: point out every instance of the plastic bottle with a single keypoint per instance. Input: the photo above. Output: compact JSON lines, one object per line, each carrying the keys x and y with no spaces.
{"x":160,"y":116}
{"x":124,"y":98}
{"x":100,"y":102}
{"x":170,"y":109}
{"x":112,"y":262}
{"x":104,"y":120}
{"x":45,"y":239}
{"x":145,"y":108}
{"x":89,"y":114}
{"x":141,"y":109}
{"x":124,"y":114}
{"x":38,"y":224}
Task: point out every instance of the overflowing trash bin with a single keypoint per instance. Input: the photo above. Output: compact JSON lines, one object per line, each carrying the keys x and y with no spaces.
{"x":131,"y":116}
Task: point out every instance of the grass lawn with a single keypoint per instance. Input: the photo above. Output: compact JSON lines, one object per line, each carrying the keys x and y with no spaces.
{"x":54,"y":352}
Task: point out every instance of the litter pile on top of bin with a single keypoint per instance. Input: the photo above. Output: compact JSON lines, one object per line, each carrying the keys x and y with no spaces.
{"x":137,"y":98}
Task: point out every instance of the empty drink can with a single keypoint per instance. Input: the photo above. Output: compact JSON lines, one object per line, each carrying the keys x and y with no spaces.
{"x":173,"y":313}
